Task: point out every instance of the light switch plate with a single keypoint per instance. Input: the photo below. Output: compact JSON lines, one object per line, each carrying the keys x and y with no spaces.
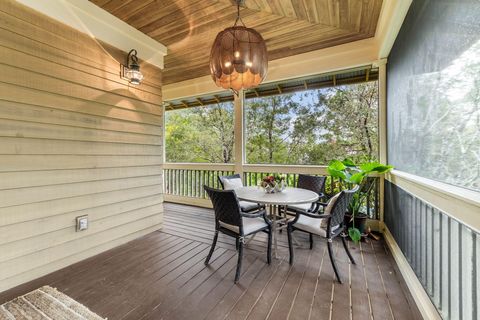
{"x":82,"y":223}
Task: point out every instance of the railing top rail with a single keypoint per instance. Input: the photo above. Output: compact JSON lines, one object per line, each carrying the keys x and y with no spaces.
{"x":459,"y":203}
{"x":306,"y":169}
{"x":200,"y":166}
{"x":265,"y":168}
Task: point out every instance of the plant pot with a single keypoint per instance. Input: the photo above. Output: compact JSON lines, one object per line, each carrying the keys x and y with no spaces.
{"x":360,"y":221}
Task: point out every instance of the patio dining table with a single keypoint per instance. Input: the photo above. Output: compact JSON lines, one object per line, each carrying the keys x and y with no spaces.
{"x":273,"y":202}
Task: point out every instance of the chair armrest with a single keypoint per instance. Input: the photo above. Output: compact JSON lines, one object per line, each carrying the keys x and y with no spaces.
{"x":308,"y":214}
{"x":257,"y":214}
{"x":314,"y":215}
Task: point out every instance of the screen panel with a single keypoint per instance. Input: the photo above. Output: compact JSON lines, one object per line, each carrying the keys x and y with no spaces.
{"x":434,"y":93}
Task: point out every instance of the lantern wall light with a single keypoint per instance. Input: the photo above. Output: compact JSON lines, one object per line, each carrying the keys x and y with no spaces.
{"x":131,"y":70}
{"x":238,"y":59}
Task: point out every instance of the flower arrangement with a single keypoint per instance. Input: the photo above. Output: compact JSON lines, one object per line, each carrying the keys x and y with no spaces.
{"x":273,"y":184}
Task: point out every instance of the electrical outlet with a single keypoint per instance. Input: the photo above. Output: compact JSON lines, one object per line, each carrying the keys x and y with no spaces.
{"x":82,"y":223}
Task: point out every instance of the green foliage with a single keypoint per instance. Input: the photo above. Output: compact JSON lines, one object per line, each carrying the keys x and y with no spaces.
{"x":314,"y":126}
{"x":310,"y":127}
{"x":202,"y":134}
{"x":355,"y":205}
{"x":350,"y":172}
{"x":354,"y":234}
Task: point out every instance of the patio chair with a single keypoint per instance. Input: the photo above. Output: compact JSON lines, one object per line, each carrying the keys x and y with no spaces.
{"x":235,"y":181}
{"x":328,"y":225}
{"x":312,"y":183}
{"x":230,"y":220}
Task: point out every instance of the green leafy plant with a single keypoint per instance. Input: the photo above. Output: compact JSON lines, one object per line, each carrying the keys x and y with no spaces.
{"x":349,"y":172}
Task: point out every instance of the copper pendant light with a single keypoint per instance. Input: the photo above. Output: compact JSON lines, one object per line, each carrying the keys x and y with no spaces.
{"x":238,"y":59}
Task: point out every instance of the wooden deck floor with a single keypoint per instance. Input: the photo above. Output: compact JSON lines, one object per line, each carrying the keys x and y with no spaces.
{"x":162,"y":276}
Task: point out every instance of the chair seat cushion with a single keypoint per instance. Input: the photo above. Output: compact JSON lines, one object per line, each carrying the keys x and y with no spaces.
{"x":247,"y":206}
{"x":250,"y":225}
{"x":300,"y":206}
{"x":313,"y":225}
{"x":317,"y":226}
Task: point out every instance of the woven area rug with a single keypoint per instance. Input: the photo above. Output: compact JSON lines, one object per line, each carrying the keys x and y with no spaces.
{"x":45,"y":303}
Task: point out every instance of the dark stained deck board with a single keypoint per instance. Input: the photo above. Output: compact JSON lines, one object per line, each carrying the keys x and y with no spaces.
{"x":162,"y":276}
{"x":361,"y":308}
{"x":378,"y":298}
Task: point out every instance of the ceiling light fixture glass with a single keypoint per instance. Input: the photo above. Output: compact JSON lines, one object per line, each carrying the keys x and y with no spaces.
{"x":238,"y":59}
{"x":132,"y":69}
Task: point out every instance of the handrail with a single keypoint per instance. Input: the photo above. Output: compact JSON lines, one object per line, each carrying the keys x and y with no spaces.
{"x":199,"y":166}
{"x":459,"y":203}
{"x":264,"y":168}
{"x":467,"y":195}
{"x":305,"y":169}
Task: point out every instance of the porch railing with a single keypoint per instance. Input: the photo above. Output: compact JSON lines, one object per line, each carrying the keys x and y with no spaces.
{"x":183,"y":182}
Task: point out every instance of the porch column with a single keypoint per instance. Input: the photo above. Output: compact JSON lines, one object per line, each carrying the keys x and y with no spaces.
{"x":382,"y":128}
{"x":238,"y":132}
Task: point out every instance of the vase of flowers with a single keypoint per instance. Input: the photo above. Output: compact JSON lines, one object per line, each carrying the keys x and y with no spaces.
{"x":272,"y":184}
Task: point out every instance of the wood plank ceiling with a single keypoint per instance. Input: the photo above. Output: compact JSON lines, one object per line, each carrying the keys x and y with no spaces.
{"x":188,"y":27}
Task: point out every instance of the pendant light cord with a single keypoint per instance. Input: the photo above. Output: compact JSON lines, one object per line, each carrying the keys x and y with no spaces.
{"x":238,"y":15}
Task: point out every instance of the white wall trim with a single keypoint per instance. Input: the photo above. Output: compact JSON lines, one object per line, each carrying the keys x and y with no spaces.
{"x":204,"y":203}
{"x":420,"y":296}
{"x":458,"y":203}
{"x":199,"y":166}
{"x":98,"y":23}
{"x":391,"y":18}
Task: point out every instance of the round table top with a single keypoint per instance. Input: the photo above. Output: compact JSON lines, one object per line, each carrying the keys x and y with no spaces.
{"x":286,"y":197}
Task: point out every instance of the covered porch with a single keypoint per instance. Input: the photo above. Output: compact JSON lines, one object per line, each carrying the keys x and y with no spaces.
{"x":162,"y":276}
{"x":95,"y":203}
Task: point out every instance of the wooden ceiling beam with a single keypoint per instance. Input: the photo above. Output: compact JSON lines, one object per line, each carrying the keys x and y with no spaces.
{"x":185,"y":104}
{"x":287,"y":87}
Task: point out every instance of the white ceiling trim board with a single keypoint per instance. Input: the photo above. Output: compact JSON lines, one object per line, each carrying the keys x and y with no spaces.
{"x":100,"y":24}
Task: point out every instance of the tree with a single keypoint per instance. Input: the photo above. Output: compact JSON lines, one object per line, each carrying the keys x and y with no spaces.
{"x":350,"y":121}
{"x":203,"y":134}
{"x":267,"y":122}
{"x":310,"y":127}
{"x":215,"y":124}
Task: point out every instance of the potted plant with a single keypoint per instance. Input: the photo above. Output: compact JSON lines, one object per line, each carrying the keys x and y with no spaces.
{"x":351,"y":173}
{"x":356,"y":217}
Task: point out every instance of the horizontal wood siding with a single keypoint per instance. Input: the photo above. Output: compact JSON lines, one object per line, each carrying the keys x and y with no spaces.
{"x":75,"y":139}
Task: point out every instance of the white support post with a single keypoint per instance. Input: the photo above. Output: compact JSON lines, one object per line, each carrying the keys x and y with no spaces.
{"x":382,"y":128}
{"x":238,"y":131}
{"x":164,"y":156}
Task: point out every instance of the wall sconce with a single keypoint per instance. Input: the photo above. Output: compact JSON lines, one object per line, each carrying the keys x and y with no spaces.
{"x":131,"y":70}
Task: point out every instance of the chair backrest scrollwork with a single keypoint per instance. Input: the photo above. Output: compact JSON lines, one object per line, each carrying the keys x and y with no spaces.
{"x":340,"y":206}
{"x":225,"y":206}
{"x":312,"y":183}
